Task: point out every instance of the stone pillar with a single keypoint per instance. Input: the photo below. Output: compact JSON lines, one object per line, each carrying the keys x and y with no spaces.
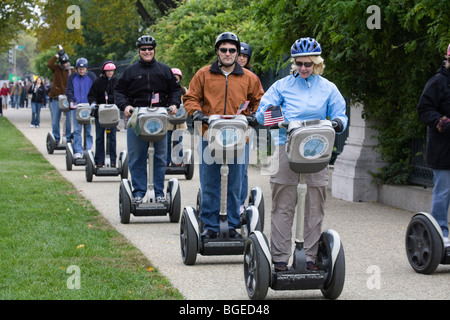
{"x":351,"y":179}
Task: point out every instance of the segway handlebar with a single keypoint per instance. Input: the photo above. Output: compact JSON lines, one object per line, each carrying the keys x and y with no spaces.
{"x":285,"y":124}
{"x":205,"y":119}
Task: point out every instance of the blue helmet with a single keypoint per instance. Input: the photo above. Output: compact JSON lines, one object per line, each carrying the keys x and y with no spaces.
{"x":246,"y":49}
{"x":305,"y":47}
{"x":82,"y":63}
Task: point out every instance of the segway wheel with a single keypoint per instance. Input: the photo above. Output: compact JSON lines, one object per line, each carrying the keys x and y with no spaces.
{"x":123,"y":165}
{"x":189,"y":167}
{"x":198,"y":207}
{"x":124,"y":204}
{"x":334,"y":283}
{"x":256,"y":198}
{"x":89,"y":169}
{"x":188,"y":239}
{"x":423,"y":245}
{"x":51,"y":144}
{"x":257,"y":271}
{"x":69,"y":158}
{"x":175,"y":204}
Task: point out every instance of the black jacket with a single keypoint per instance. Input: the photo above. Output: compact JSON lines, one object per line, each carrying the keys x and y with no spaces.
{"x":141,"y":80}
{"x":433,"y":104}
{"x":101,"y":85}
{"x":39,"y":94}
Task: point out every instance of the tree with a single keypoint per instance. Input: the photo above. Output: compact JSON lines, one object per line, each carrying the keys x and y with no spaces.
{"x":185,"y":37}
{"x":15,"y":16}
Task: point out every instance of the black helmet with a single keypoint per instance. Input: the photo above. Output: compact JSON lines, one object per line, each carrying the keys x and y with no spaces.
{"x":246,"y":49}
{"x":63,"y":58}
{"x":229,"y":37}
{"x":82,"y":63}
{"x":146,"y":41}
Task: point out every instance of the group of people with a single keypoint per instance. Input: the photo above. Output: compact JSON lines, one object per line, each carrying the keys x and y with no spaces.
{"x":80,"y":85}
{"x":37,"y":93}
{"x":219,"y":89}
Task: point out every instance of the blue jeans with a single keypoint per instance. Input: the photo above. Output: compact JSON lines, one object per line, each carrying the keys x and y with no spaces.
{"x":36,"y":113}
{"x":77,"y":135}
{"x":137,"y":157}
{"x":100,"y":140}
{"x":210,"y":181}
{"x":56,"y":117}
{"x":441,"y":198}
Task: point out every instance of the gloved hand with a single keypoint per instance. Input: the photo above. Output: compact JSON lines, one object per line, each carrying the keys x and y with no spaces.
{"x":339,"y":127}
{"x":443,"y":125}
{"x":198,"y":116}
{"x":252,"y":122}
{"x":94,"y":110}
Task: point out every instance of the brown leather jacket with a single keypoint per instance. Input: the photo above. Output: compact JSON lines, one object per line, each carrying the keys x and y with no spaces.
{"x":213,"y":93}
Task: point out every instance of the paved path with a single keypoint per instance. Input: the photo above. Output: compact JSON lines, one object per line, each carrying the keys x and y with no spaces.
{"x":372,"y":235}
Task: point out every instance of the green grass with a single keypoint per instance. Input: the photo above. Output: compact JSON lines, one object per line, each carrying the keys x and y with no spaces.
{"x":47,"y":228}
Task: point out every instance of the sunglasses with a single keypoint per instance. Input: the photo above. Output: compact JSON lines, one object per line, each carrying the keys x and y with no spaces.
{"x":306,"y":64}
{"x":231,"y":50}
{"x":147,"y":49}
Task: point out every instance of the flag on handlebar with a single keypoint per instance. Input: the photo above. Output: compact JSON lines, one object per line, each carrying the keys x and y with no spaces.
{"x":273,"y":116}
{"x":243,"y":106}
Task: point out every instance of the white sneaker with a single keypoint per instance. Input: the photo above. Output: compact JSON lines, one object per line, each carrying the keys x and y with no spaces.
{"x":446,"y":242}
{"x":31,"y":125}
{"x":77,"y":155}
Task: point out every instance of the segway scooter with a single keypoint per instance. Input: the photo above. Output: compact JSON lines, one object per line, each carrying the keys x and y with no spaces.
{"x":309,"y":148}
{"x":424,"y":244}
{"x":108,"y":117}
{"x":152,"y":126}
{"x":185,"y":165}
{"x":51,"y":141}
{"x":83,"y":115}
{"x":226,"y":140}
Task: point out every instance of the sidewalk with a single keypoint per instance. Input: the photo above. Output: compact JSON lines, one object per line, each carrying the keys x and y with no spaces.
{"x":372,"y":235}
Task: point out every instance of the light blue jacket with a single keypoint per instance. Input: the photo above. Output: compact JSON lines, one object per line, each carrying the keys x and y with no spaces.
{"x":303,"y":99}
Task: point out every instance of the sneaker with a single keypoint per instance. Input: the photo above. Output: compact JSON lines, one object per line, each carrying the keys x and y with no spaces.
{"x":37,"y":126}
{"x":209,"y":234}
{"x":234,"y":234}
{"x":137,"y":200}
{"x":77,"y":156}
{"x":446,"y":242}
{"x":160,"y":200}
{"x":31,"y":125}
{"x":280,"y":266}
{"x":311,"y":266}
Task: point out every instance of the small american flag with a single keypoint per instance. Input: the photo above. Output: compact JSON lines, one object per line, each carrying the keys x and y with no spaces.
{"x":155,"y":98}
{"x":273,"y":116}
{"x":243,"y":107}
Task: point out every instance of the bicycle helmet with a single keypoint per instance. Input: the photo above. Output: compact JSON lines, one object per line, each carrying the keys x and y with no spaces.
{"x":63,"y":58}
{"x":229,"y":37}
{"x":82,"y":63}
{"x":177,"y":71}
{"x":146,"y":41}
{"x":109,"y":66}
{"x":305,"y":47}
{"x":246,"y":49}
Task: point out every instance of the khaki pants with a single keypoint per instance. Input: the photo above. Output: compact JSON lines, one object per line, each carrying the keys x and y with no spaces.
{"x":283,"y":182}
